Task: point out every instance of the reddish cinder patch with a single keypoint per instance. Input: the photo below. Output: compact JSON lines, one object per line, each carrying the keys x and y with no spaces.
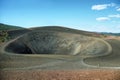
{"x":61,"y":75}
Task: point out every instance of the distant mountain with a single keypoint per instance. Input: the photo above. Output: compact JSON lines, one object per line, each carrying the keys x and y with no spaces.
{"x":9,"y":27}
{"x":113,"y":34}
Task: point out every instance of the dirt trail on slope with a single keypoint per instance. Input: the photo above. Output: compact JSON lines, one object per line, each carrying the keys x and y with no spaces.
{"x":111,"y":60}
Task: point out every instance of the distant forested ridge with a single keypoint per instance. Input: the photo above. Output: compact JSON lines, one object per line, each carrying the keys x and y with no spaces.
{"x":8,"y":27}
{"x":114,"y":34}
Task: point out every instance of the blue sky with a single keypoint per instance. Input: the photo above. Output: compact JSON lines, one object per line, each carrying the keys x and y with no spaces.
{"x":90,"y":15}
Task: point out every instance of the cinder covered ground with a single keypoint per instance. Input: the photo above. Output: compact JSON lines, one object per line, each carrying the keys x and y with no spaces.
{"x":61,"y":75}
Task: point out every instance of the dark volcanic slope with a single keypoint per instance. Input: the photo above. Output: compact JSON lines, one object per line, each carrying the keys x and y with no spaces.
{"x":67,"y":30}
{"x":15,"y":33}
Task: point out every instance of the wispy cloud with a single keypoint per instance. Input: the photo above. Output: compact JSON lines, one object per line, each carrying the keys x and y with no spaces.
{"x":102,"y":19}
{"x":118,"y":9}
{"x":109,"y":17}
{"x":114,"y":16}
{"x":99,"y":7}
{"x":102,"y":6}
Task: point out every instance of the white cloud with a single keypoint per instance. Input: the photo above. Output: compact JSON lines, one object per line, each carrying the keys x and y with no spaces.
{"x":118,"y":9}
{"x":99,"y":7}
{"x":102,"y":19}
{"x":109,"y":17}
{"x":114,"y":16}
{"x":102,"y":6}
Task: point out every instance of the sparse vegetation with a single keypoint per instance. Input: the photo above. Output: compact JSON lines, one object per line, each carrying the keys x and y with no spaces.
{"x":3,"y":36}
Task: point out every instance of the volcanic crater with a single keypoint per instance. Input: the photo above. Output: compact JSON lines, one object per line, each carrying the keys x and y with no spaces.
{"x":57,"y":43}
